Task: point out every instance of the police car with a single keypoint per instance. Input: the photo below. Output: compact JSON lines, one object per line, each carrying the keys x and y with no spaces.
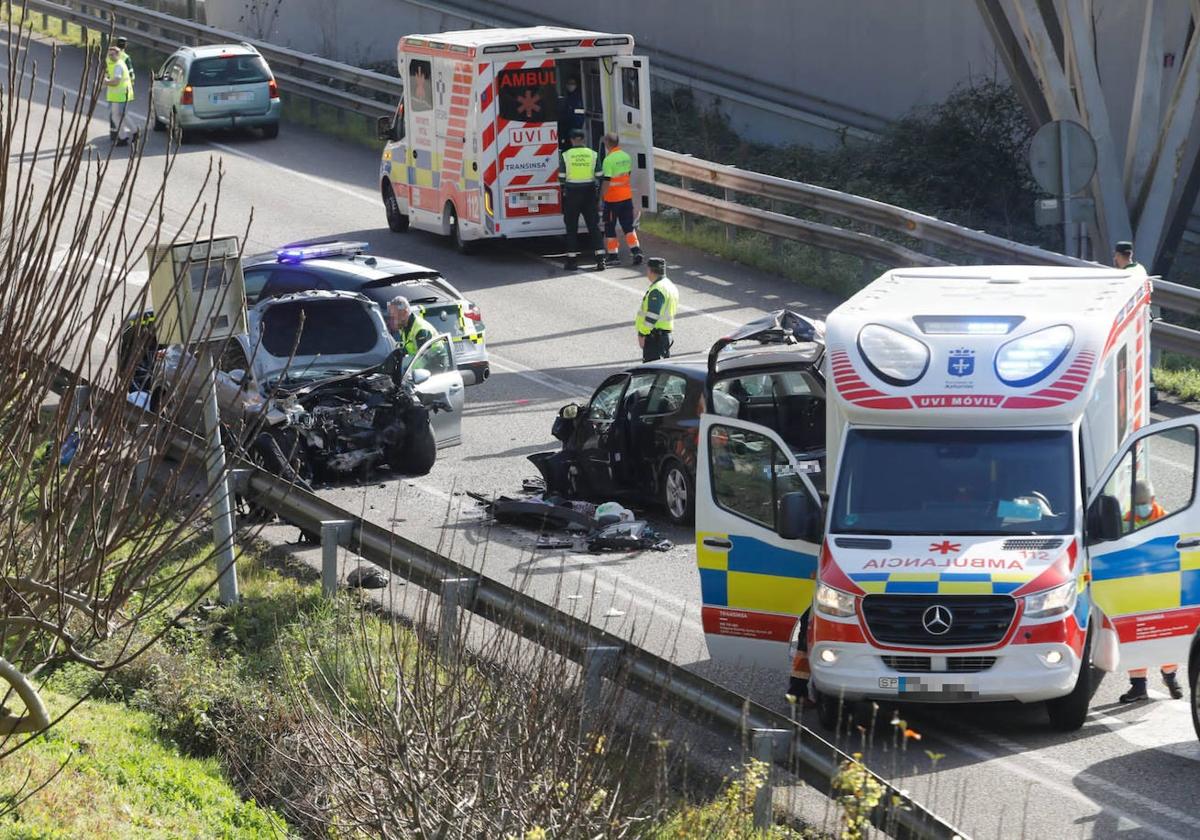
{"x":346,"y":266}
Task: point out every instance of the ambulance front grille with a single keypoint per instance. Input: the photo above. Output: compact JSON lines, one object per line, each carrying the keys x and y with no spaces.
{"x":924,"y":664}
{"x":973,"y":619}
{"x":1033,"y":544}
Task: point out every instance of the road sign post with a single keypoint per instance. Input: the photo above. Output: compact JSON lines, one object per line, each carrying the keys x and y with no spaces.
{"x":1062,"y":160}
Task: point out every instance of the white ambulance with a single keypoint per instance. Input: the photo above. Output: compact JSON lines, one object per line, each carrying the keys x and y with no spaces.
{"x":1001,"y":522}
{"x":473,"y":148}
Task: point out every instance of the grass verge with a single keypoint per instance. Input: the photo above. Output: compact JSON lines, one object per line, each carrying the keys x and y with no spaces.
{"x":1179,"y":375}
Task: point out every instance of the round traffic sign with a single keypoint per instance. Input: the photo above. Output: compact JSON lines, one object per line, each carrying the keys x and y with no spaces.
{"x":1058,"y":146}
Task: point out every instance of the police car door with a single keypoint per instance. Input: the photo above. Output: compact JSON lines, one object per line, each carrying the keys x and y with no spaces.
{"x":1145,"y":566}
{"x":440,"y":388}
{"x":754,"y":582}
{"x":629,"y":102}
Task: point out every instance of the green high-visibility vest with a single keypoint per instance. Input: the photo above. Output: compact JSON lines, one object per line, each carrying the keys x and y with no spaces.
{"x":579,"y":164}
{"x":123,"y":91}
{"x":664,"y":318}
{"x":408,"y":337}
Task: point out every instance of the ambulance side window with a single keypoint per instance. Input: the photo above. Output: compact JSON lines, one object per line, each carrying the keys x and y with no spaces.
{"x":749,"y":474}
{"x":1156,"y":478}
{"x":420,"y":85}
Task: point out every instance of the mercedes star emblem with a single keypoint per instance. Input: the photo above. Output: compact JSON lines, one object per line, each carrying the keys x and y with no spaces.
{"x":937,"y":620}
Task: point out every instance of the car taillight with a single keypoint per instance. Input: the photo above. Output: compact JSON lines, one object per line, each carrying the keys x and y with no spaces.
{"x":273,"y":89}
{"x":473,"y":313}
{"x":185,"y":98}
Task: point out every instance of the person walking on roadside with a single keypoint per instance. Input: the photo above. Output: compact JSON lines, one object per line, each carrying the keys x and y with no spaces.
{"x":578,"y":176}
{"x":118,"y":91}
{"x":616,"y":172}
{"x":655,"y":321}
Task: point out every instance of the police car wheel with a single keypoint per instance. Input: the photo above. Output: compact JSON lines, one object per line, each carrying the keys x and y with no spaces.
{"x":397,"y":221}
{"x":678,"y":493}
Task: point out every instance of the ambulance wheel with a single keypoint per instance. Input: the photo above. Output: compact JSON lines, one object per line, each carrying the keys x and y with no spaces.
{"x":678,"y":493}
{"x":1193,"y":673}
{"x":397,"y":221}
{"x":828,"y":711}
{"x":456,"y":235}
{"x":1068,"y":713}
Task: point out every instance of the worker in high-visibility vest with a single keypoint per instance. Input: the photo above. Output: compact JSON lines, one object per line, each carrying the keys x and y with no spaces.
{"x":655,"y":321}
{"x":118,"y":92}
{"x":617,"y":192}
{"x":578,"y":176}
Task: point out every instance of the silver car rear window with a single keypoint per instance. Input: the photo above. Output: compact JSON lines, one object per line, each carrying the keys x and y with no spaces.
{"x":228,"y":70}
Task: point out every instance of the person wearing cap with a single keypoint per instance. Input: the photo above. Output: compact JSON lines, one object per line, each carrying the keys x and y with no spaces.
{"x":122,"y":43}
{"x":118,"y":92}
{"x":655,"y":321}
{"x":616,"y":172}
{"x":1146,"y":509}
{"x":578,"y":175}
{"x":1123,"y":257}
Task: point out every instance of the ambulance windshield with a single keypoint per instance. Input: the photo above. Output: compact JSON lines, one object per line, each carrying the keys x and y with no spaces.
{"x":933,"y":481}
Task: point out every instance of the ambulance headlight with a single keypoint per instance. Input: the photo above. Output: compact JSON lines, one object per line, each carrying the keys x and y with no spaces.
{"x":834,"y":602}
{"x":894,"y":357}
{"x":1052,"y":602}
{"x":1031,"y":358}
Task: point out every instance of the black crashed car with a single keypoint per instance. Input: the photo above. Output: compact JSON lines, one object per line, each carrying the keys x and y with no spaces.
{"x":636,"y":439}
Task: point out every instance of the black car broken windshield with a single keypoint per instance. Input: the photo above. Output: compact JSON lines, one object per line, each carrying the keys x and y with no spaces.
{"x":318,"y":327}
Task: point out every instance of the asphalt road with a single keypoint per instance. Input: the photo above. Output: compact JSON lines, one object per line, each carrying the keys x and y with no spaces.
{"x":997,"y":770}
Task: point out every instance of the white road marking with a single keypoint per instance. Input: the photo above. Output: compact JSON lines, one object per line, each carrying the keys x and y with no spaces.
{"x":1163,"y":724}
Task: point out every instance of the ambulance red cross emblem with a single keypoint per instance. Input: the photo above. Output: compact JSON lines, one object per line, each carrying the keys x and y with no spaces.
{"x":945,"y":547}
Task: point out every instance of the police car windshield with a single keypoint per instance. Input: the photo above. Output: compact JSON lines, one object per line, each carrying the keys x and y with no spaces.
{"x":930,"y":482}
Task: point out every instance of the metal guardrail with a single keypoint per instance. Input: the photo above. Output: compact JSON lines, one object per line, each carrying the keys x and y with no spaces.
{"x":784,"y":741}
{"x":310,"y":76}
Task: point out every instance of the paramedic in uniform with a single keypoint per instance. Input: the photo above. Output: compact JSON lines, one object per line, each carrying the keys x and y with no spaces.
{"x":1123,"y":257}
{"x":655,"y":321}
{"x":616,"y":172}
{"x":1146,"y":509}
{"x":578,"y":175}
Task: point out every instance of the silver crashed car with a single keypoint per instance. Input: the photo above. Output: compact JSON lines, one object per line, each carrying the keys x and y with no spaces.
{"x":316,"y":389}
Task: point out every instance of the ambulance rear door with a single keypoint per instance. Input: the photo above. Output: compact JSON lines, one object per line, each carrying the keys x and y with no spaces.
{"x":629,"y":103}
{"x":758,"y":532}
{"x":1145,"y":565}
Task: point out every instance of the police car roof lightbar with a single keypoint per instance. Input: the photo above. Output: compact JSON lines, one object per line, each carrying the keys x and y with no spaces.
{"x":300,"y":253}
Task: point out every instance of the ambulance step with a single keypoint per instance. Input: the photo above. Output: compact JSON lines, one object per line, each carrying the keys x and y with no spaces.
{"x":938,"y":620}
{"x":1028,"y":544}
{"x":925,"y":664}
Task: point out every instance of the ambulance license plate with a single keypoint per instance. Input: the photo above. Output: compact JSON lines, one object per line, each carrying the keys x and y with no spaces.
{"x":903,"y":684}
{"x":528,"y":199}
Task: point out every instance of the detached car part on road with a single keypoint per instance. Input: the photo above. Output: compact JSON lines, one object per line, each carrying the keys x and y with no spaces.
{"x":637,"y":436}
{"x":316,"y":389}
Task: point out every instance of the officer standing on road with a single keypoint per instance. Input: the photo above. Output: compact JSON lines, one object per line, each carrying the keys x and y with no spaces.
{"x":118,"y":92}
{"x":578,"y":176}
{"x":616,"y":172}
{"x":1123,"y":257}
{"x":410,"y":330}
{"x":655,"y":321}
{"x":122,"y":43}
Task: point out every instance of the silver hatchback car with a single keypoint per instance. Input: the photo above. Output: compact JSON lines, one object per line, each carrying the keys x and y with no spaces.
{"x":214,"y":87}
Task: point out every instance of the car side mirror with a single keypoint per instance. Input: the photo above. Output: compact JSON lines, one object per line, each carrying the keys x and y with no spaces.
{"x":384,"y":129}
{"x":1105,"y":521}
{"x":421,"y":376}
{"x":799,"y":517}
{"x":569,"y":411}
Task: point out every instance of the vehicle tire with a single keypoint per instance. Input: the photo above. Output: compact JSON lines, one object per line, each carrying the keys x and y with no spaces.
{"x":1193,"y":674}
{"x":268,"y":453}
{"x":270,"y":132}
{"x":397,"y":221}
{"x":456,"y":236}
{"x":828,"y":711}
{"x":179,"y":134}
{"x":156,"y":122}
{"x":418,"y":453}
{"x":677,"y":492}
{"x":1068,"y":713}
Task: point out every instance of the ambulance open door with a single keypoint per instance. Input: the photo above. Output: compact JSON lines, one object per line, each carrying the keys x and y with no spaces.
{"x":758,"y":533}
{"x":629,"y":107}
{"x":1145,"y":562}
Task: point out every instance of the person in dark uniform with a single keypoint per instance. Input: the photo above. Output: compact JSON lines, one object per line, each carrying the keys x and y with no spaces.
{"x":578,"y":176}
{"x":1123,"y":256}
{"x":655,"y":321}
{"x":571,"y":113}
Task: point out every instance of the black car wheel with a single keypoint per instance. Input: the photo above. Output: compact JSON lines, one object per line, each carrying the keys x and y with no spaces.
{"x":417,"y":454}
{"x":156,"y":122}
{"x":397,"y":221}
{"x":677,"y":491}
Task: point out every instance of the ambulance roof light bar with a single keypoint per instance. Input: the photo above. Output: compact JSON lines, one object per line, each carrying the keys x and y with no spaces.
{"x":300,"y":253}
{"x":967,"y":324}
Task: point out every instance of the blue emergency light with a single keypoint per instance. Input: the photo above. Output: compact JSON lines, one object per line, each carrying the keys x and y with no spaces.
{"x":300,"y":253}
